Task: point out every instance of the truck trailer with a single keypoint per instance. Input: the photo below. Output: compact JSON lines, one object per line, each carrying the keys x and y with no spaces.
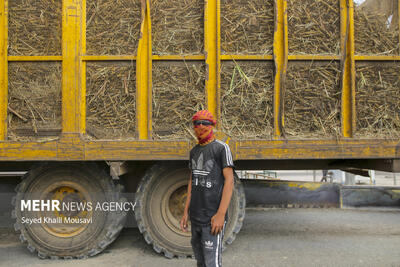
{"x":96,"y":99}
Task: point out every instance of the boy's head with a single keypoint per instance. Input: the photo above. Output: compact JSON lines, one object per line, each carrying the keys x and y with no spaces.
{"x":204,"y":123}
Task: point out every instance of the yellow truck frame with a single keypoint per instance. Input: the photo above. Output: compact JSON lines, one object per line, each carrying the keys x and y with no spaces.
{"x":71,"y":145}
{"x":159,"y":183}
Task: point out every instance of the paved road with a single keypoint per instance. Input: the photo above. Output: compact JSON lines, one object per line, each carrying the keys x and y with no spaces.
{"x":269,"y":237}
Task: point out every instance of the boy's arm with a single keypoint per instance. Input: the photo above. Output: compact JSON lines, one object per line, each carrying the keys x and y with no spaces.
{"x":218,"y":220}
{"x":186,"y":210}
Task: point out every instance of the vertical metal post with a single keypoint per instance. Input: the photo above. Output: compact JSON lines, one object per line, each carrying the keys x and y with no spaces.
{"x":281,"y":62}
{"x":212,"y":54}
{"x":4,"y":69}
{"x":394,"y":179}
{"x":348,"y":82}
{"x":314,"y":175}
{"x":372,"y":179}
{"x":143,"y":75}
{"x":82,"y":70}
{"x":398,"y":21}
{"x":71,"y":66}
{"x":218,"y":63}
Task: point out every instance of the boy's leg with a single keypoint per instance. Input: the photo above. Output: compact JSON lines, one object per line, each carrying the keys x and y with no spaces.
{"x":197,"y":245}
{"x":212,"y":247}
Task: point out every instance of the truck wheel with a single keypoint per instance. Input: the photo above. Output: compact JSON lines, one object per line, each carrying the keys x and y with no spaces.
{"x":160,"y":201}
{"x":54,"y":236}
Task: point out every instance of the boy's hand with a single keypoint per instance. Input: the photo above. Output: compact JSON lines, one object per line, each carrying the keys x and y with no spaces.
{"x":217,"y":223}
{"x":184,"y":220}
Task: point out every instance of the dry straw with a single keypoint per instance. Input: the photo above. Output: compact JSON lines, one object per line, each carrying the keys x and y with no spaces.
{"x":177,"y":26}
{"x":34,"y":99}
{"x":247,"y":27}
{"x":110,"y":100}
{"x":34,"y":27}
{"x":374,"y":33}
{"x":314,"y":26}
{"x":113,"y":27}
{"x":246,"y":100}
{"x":312,"y":96}
{"x":312,"y":100}
{"x":378,"y":100}
{"x":178,"y":93}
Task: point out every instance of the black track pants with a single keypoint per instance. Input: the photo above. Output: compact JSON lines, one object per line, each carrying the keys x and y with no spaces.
{"x":207,"y":248}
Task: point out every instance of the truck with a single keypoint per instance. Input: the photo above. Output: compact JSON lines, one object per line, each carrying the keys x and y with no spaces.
{"x":96,"y":99}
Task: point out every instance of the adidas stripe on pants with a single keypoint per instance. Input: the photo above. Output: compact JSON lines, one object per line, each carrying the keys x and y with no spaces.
{"x":207,"y":247}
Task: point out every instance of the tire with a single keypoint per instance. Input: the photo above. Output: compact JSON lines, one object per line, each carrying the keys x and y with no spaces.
{"x":160,"y":201}
{"x":69,"y":182}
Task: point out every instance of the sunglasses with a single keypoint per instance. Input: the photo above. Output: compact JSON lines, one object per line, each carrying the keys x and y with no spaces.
{"x":203,"y":122}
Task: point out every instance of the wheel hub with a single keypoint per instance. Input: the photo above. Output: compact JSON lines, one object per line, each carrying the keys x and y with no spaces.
{"x":173,"y":205}
{"x":177,"y":202}
{"x":67,"y":195}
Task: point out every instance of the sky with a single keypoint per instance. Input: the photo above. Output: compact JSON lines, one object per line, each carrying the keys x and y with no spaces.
{"x":359,"y":1}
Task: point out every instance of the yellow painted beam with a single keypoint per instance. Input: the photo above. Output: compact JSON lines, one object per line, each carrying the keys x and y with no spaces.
{"x":28,"y":151}
{"x":143,"y":75}
{"x":314,"y":57}
{"x":376,"y":58}
{"x":281,"y":59}
{"x":35,"y":58}
{"x":202,"y":57}
{"x":247,"y":57}
{"x":348,"y":67}
{"x":134,"y":57}
{"x":108,"y":58}
{"x":4,"y":69}
{"x":71,"y":66}
{"x":138,"y":150}
{"x":211,"y":47}
{"x":179,"y":57}
{"x":316,"y":149}
{"x":69,"y":149}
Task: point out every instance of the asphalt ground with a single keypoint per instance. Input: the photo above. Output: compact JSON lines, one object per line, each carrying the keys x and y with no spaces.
{"x":269,"y":237}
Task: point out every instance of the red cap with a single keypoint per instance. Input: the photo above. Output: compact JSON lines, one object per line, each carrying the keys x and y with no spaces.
{"x":204,"y":115}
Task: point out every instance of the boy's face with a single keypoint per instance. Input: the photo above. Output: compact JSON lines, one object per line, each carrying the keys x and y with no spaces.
{"x":202,"y":128}
{"x":203,"y":124}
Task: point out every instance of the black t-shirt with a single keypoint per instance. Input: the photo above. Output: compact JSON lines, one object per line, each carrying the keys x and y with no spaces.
{"x":206,"y":163}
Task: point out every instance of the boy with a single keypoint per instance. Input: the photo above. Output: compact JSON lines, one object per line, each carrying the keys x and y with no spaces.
{"x":209,"y":191}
